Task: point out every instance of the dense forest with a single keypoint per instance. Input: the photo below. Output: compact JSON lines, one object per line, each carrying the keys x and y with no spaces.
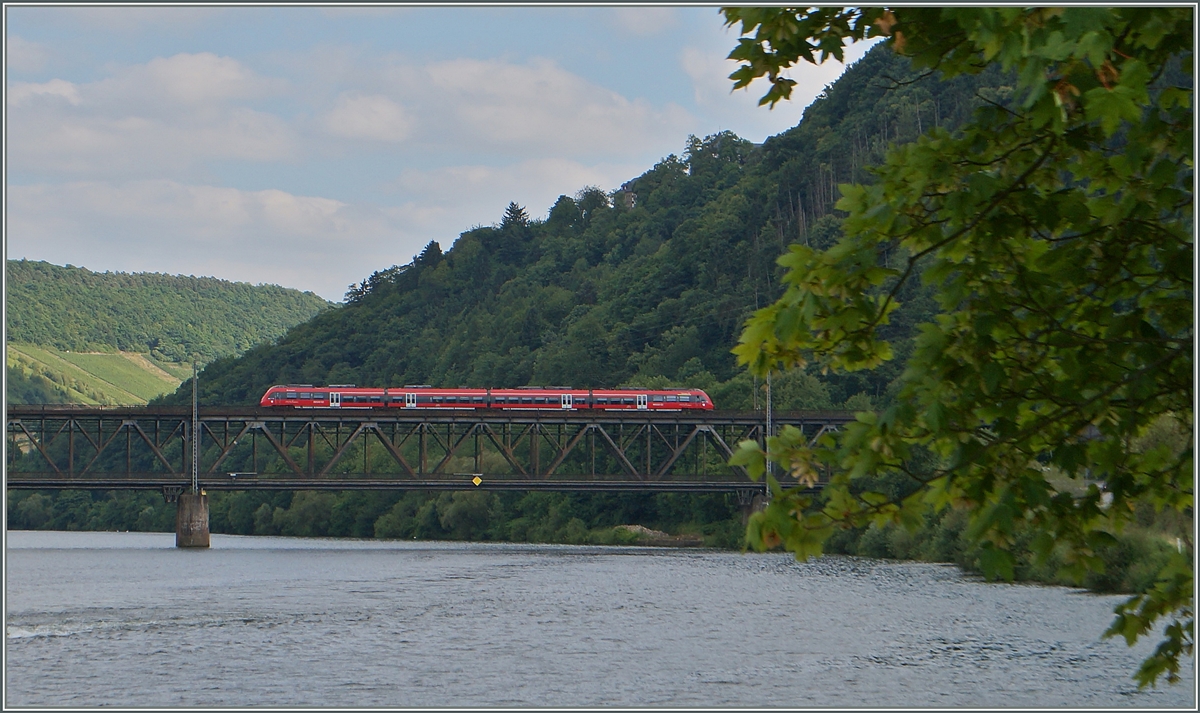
{"x":647,"y":285}
{"x":171,"y":317}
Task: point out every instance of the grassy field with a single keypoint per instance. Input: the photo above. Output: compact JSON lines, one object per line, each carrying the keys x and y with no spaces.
{"x":120,"y":378}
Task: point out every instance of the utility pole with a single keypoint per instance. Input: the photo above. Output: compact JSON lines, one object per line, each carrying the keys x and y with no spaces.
{"x":767,"y":440}
{"x":195,"y":429}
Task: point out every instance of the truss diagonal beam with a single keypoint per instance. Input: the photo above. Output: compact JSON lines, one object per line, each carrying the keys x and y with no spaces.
{"x":393,"y":450}
{"x":620,"y":455}
{"x":279,"y":448}
{"x":454,"y":449}
{"x":505,"y":451}
{"x":104,"y":445}
{"x":38,"y":444}
{"x":227,"y":448}
{"x":675,"y":453}
{"x":566,"y":450}
{"x":153,"y":446}
{"x":341,"y":450}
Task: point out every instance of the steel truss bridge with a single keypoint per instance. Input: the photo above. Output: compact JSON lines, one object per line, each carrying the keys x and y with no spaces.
{"x":57,"y":447}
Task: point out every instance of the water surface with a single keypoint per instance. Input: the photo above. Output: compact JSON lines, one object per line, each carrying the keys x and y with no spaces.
{"x":125,"y":619}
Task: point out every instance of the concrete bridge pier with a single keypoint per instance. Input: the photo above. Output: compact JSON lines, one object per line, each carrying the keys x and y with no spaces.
{"x":191,"y":520}
{"x":752,"y":501}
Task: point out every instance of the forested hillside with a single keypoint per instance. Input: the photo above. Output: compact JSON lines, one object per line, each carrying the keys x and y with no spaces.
{"x":171,"y":317}
{"x":77,"y":336}
{"x":649,"y":284}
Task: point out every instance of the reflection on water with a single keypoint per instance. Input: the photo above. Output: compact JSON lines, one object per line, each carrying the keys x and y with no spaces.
{"x":125,"y":619}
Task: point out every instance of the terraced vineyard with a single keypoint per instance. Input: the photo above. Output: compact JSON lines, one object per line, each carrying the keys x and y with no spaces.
{"x":119,"y":378}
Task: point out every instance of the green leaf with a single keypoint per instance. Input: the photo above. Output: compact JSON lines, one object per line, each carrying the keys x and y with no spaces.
{"x":995,"y":563}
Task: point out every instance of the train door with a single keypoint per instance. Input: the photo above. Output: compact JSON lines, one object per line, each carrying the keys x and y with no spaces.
{"x":410,"y":400}
{"x":642,"y":401}
{"x":567,"y":401}
{"x":335,"y":399}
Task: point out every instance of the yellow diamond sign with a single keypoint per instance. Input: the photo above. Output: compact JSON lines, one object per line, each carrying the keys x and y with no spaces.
{"x":477,"y":480}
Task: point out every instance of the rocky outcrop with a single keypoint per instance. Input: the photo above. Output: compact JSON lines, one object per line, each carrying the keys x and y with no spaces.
{"x":657,"y":538}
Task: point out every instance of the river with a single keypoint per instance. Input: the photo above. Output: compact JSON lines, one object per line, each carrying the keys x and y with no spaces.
{"x":125,"y":619}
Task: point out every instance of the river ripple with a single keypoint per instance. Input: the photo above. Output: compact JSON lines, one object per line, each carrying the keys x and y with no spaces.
{"x":125,"y":619}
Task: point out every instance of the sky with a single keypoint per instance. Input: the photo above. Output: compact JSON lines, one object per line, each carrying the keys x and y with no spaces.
{"x":311,"y":146}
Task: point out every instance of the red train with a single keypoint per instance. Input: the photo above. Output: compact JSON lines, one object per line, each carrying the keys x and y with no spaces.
{"x":548,"y":397}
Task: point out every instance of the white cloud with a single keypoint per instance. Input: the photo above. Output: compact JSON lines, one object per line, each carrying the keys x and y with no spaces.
{"x":73,"y":145}
{"x":540,"y":108}
{"x":185,"y":82}
{"x":169,"y":115}
{"x":20,"y":93}
{"x":21,"y":55}
{"x":202,"y":78}
{"x":373,"y":117}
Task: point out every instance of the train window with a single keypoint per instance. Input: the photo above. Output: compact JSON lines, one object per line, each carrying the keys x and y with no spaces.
{"x":318,"y":397}
{"x":656,"y":399}
{"x":437,"y":399}
{"x":305,"y":395}
{"x":291,"y":394}
{"x":602,"y":399}
{"x":477,"y":399}
{"x":376,"y":399}
{"x":627,"y":401}
{"x":672,"y":399}
{"x":451,"y":399}
{"x":540,"y":400}
{"x":526,"y":399}
{"x":685,"y":398}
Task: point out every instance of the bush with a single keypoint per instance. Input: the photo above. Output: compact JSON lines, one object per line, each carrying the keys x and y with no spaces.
{"x":873,"y":543}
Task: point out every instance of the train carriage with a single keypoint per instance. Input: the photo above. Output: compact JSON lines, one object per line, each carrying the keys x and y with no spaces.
{"x":523,"y":398}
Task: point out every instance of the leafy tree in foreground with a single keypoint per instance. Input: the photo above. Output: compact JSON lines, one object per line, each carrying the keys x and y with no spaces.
{"x":1058,"y":234}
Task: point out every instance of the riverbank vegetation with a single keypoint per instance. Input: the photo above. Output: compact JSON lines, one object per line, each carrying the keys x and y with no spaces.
{"x":712,"y":520}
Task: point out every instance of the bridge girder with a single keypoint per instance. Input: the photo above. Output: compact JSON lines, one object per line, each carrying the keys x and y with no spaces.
{"x":73,"y":447}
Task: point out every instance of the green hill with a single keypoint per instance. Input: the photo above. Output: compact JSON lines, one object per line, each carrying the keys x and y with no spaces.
{"x":645,"y":285}
{"x":119,"y":338}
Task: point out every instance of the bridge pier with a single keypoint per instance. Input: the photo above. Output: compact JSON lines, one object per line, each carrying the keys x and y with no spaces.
{"x":751,"y":503}
{"x":191,"y":520}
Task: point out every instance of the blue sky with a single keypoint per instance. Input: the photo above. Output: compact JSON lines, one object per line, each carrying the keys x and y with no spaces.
{"x":309,"y":146}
